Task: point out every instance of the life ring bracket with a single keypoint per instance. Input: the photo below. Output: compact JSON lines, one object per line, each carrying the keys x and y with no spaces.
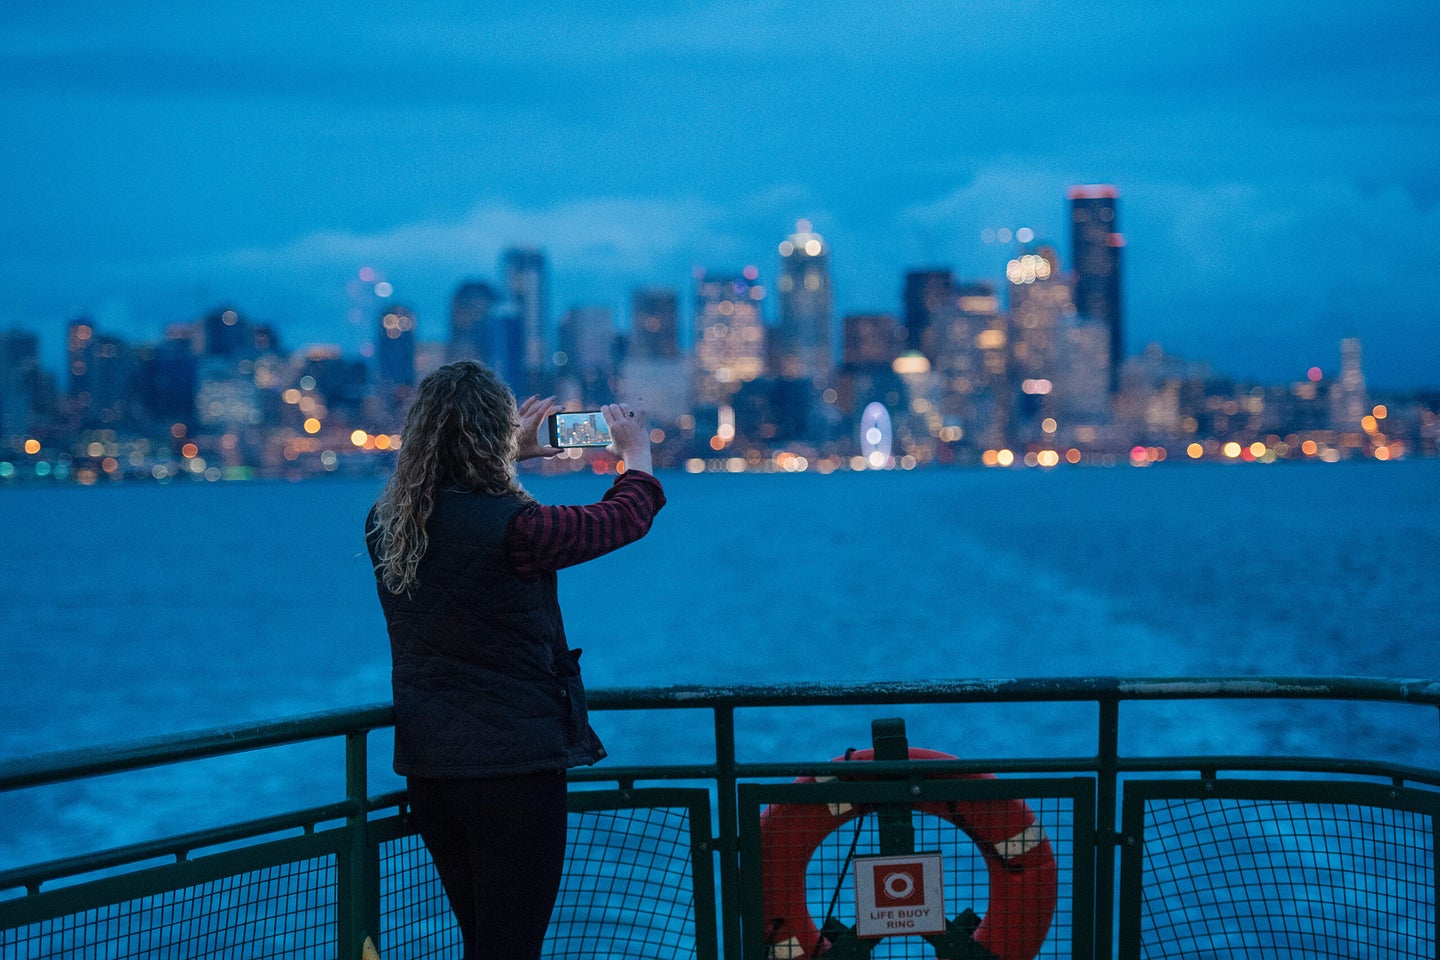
{"x":1020,"y":862}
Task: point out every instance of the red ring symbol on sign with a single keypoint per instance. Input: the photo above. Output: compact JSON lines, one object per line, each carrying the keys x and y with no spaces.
{"x":1018,"y":858}
{"x":899,"y":886}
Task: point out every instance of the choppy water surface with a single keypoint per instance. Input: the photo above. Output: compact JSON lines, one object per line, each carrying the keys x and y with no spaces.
{"x":139,"y":610}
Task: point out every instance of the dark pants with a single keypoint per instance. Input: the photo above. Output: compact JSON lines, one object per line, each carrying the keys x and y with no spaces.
{"x":499,"y":847}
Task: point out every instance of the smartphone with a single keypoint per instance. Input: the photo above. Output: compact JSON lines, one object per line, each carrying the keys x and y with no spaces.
{"x":586,"y":428}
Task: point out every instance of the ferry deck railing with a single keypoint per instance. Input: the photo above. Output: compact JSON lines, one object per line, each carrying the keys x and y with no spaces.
{"x":1156,"y":856}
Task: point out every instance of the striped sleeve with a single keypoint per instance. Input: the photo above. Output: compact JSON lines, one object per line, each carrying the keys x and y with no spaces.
{"x":544,"y":538}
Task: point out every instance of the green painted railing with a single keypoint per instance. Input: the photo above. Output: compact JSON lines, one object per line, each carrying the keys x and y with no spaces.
{"x":1150,"y":849}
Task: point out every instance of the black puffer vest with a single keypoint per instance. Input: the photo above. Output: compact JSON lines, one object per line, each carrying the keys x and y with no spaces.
{"x":484,"y":682}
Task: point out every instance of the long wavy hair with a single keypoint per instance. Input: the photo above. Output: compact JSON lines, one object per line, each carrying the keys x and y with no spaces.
{"x":461,"y":433}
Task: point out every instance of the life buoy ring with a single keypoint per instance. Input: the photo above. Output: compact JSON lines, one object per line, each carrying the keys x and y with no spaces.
{"x":1018,"y":858}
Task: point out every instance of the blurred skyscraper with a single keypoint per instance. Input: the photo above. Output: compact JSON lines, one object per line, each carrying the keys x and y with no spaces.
{"x":224,"y":333}
{"x":803,"y":338}
{"x":654,"y":323}
{"x":1060,"y":362}
{"x":967,"y":345}
{"x":19,"y":382}
{"x":395,"y":348}
{"x":527,"y":288}
{"x":169,"y":378}
{"x":729,"y":335}
{"x":102,"y":374}
{"x":873,"y":342}
{"x":1349,"y":400}
{"x":872,"y":339}
{"x":1095,"y":252}
{"x":470,"y":333}
{"x":927,"y":296}
{"x":586,"y":354}
{"x":653,"y":373}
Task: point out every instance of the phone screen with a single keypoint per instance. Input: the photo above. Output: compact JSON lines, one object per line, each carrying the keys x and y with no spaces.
{"x":586,"y":428}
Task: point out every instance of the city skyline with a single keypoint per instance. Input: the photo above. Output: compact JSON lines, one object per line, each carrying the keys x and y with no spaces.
{"x":1277,"y":184}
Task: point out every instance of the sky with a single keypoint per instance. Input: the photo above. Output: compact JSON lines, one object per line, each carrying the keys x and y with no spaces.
{"x":1278,"y":164}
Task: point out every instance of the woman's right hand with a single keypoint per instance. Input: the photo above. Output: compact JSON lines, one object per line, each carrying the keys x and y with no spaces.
{"x":631,"y":432}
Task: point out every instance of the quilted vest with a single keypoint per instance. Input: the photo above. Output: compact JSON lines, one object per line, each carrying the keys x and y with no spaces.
{"x":484,"y":682}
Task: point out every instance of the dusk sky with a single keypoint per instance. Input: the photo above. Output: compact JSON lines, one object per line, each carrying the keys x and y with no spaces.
{"x":1278,"y":164}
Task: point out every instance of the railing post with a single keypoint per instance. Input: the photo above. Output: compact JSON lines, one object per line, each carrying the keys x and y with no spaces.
{"x":1106,"y":814}
{"x":358,"y":868}
{"x":897,"y":829}
{"x":729,"y":839}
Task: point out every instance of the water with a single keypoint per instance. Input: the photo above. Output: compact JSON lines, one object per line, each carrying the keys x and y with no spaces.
{"x":142,"y":610}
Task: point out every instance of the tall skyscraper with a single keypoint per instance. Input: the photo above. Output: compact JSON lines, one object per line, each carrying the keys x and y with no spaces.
{"x":928,"y":296}
{"x":1060,"y":363}
{"x":653,"y":373}
{"x":527,"y":288}
{"x":169,"y":377}
{"x":586,"y":353}
{"x":1349,"y":400}
{"x":470,"y":333}
{"x":872,"y":340}
{"x":1096,"y":245}
{"x":224,"y":333}
{"x":102,"y":374}
{"x":654,"y":324}
{"x":395,"y":347}
{"x":803,"y":338}
{"x":729,"y":335}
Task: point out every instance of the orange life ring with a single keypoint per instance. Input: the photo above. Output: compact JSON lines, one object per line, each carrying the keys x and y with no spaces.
{"x":1018,"y":857}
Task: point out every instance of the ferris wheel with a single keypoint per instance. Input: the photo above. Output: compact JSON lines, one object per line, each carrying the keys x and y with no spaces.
{"x":875,"y":436}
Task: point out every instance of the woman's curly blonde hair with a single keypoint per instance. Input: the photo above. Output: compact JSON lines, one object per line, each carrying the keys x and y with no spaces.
{"x":461,"y":433}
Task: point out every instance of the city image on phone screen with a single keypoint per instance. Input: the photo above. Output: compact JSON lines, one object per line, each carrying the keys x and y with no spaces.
{"x":586,"y":428}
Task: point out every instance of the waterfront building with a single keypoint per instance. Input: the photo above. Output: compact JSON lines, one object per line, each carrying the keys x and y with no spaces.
{"x":652,"y":371}
{"x":224,"y":333}
{"x":1096,"y":245}
{"x":102,"y":376}
{"x":872,"y":339}
{"x":325,"y":375}
{"x":226,"y":398}
{"x":1169,"y":400}
{"x":586,"y":354}
{"x":729,"y":335}
{"x":470,"y":321}
{"x":928,"y":294}
{"x":803,"y":339}
{"x":168,"y":380}
{"x":19,"y":383}
{"x":654,"y":324}
{"x":1062,"y":360}
{"x":526,"y":284}
{"x":1349,"y":400}
{"x":395,"y":348}
{"x":968,"y":340}
{"x":872,"y":344}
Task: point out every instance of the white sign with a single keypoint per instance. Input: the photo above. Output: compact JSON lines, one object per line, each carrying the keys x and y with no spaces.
{"x":897,"y":896}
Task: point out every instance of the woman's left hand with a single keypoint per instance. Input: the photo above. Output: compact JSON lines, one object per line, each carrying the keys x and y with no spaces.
{"x":532,"y":414}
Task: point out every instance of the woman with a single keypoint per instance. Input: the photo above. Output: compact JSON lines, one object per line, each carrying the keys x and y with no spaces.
{"x":489,"y":708}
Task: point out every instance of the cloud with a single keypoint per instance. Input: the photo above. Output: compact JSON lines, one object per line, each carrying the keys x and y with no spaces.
{"x":1268,"y":273}
{"x":620,"y":235}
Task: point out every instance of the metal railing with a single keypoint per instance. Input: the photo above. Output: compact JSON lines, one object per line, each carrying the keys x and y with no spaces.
{"x":1153,"y":856}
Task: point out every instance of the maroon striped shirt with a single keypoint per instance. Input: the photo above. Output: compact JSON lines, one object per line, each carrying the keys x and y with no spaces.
{"x":544,"y":538}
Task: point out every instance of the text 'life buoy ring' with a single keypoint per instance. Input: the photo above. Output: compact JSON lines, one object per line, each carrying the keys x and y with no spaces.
{"x":1017,"y":854}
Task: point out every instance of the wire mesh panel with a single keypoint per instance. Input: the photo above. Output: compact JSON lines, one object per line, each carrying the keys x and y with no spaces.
{"x":628,"y":889}
{"x":1016,"y":876}
{"x":1280,"y":870}
{"x":282,"y":911}
{"x":415,"y":917}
